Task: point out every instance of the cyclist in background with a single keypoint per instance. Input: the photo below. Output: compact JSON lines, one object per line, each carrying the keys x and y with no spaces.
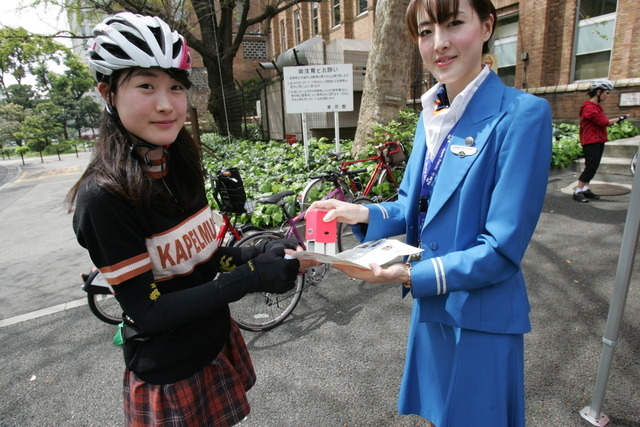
{"x":593,"y":135}
{"x":141,"y":212}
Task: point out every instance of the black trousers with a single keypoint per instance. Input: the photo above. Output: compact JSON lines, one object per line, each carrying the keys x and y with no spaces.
{"x":592,"y":156}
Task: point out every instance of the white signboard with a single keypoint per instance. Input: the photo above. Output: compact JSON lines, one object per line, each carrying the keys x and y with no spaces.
{"x":318,"y":88}
{"x":630,"y":99}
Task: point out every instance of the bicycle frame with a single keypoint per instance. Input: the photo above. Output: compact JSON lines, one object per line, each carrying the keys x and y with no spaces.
{"x":227,"y":227}
{"x":380,"y":166}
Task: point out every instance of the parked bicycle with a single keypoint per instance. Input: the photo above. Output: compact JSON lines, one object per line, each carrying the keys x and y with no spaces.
{"x":385,"y":178}
{"x":227,"y":189}
{"x":100,"y":297}
{"x":263,"y":311}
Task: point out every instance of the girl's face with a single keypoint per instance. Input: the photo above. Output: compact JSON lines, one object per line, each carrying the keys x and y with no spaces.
{"x":151,"y":104}
{"x":452,"y":50}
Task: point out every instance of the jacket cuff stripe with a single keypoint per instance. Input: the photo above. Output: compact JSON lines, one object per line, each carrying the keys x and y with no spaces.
{"x":383,"y":211}
{"x":441,"y":278}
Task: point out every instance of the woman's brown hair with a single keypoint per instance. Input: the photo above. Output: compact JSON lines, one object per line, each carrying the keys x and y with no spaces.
{"x":442,"y":10}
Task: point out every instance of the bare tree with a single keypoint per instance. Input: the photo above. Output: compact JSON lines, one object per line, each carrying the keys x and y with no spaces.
{"x":387,"y":81}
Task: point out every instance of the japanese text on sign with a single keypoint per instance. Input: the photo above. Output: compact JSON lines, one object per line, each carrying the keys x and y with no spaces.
{"x":318,"y":88}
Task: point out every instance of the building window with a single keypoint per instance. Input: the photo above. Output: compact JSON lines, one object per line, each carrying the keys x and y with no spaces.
{"x":362,"y":6}
{"x":594,"y":38}
{"x":336,"y":13}
{"x":505,"y":47}
{"x":297,"y":22}
{"x":315,"y":17}
{"x":283,"y":36}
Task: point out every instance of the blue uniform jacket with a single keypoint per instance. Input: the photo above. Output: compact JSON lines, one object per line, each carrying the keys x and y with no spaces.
{"x":483,"y":210}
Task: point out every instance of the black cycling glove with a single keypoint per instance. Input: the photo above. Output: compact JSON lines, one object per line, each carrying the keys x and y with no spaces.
{"x":265,"y":246}
{"x":275,"y":273}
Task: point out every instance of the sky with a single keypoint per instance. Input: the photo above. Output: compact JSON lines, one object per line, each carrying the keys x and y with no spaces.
{"x":43,"y":20}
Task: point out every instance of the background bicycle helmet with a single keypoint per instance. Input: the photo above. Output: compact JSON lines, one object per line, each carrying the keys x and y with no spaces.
{"x":603,"y":84}
{"x":127,"y":40}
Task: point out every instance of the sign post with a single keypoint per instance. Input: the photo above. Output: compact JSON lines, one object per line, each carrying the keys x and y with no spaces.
{"x":318,"y":89}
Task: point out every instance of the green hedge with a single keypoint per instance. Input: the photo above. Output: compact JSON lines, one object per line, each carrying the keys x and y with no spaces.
{"x":269,"y":167}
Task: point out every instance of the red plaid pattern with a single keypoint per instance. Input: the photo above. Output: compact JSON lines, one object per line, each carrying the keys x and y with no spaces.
{"x":214,"y":396}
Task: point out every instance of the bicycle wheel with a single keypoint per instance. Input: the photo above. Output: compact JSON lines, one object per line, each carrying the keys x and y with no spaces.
{"x":315,"y":190}
{"x":261,"y":311}
{"x":389,"y":186}
{"x":245,"y":230}
{"x":105,"y":308}
{"x":318,"y":189}
{"x":346,"y":239}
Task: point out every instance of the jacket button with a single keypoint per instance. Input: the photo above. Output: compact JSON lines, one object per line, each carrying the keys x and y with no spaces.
{"x":433,"y":246}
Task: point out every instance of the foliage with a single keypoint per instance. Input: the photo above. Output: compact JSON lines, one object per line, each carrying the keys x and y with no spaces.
{"x":21,"y":52}
{"x":41,"y":127}
{"x":11,"y":117}
{"x":623,"y":129}
{"x":565,"y":150}
{"x":561,"y":130}
{"x":566,"y":143}
{"x":59,"y":148}
{"x":269,"y":167}
{"x":21,"y":151}
{"x":22,"y":95}
{"x":401,"y":130}
{"x":38,"y":114}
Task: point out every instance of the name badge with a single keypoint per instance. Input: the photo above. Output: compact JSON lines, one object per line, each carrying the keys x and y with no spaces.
{"x":463,"y":150}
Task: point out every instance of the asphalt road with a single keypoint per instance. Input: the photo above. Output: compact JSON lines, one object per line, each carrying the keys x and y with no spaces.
{"x":337,"y":360}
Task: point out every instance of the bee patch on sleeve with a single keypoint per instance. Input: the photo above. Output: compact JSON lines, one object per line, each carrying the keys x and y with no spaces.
{"x":226,"y":264}
{"x":155,"y":293}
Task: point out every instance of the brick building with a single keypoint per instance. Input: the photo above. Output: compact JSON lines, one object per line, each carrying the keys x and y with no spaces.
{"x":561,"y":45}
{"x":551,"y":48}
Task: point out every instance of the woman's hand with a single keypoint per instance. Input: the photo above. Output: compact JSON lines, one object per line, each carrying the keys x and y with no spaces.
{"x":395,"y":273}
{"x":348,"y":213}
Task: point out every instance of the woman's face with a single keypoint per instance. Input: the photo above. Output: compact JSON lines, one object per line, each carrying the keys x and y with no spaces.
{"x":452,"y":50}
{"x":151,"y":105}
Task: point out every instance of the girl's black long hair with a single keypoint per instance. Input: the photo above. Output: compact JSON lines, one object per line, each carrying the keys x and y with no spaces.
{"x":119,"y":170}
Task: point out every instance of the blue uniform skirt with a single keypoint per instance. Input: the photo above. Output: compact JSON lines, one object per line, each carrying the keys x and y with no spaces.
{"x":456,"y":377}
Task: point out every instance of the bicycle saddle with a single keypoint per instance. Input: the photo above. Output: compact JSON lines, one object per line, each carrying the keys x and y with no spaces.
{"x":275,"y":199}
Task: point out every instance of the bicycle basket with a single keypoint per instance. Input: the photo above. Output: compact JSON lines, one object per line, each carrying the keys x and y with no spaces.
{"x":394,"y":153}
{"x":230,"y":191}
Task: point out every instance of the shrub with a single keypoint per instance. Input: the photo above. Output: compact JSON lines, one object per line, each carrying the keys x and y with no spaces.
{"x":565,"y":151}
{"x":623,"y":129}
{"x":59,"y":148}
{"x":268,"y":167}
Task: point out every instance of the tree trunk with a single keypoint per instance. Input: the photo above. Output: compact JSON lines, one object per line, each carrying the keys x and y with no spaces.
{"x":223,"y":92}
{"x":386,"y":84}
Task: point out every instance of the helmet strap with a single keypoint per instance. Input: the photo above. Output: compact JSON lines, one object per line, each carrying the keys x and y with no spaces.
{"x":136,"y":142}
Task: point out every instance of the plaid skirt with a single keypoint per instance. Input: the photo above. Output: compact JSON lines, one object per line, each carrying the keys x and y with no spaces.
{"x":214,"y":396}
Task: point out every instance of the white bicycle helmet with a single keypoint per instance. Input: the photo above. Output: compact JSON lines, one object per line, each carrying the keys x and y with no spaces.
{"x":127,"y":40}
{"x":603,"y":84}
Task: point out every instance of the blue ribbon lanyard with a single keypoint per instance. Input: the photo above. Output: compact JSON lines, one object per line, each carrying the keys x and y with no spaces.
{"x":429,"y":172}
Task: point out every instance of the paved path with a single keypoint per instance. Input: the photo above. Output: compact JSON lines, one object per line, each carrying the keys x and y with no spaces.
{"x":337,"y":360}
